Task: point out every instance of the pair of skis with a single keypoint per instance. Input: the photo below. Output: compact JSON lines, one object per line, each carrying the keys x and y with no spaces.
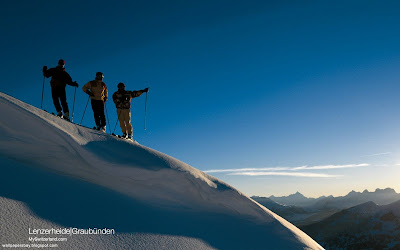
{"x":94,"y":128}
{"x":124,"y":138}
{"x":62,"y":117}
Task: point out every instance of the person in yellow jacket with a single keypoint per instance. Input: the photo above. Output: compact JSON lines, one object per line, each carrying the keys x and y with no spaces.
{"x":97,"y":90}
{"x":122,"y":99}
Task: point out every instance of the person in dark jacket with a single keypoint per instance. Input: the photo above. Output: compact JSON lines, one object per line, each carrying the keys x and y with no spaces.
{"x":122,"y":99}
{"x":59,"y":79}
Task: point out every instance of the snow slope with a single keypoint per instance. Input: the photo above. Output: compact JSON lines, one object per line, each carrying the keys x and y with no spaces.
{"x":55,"y":174}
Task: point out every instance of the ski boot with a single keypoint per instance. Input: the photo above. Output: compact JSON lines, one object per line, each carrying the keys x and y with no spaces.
{"x":66,"y":116}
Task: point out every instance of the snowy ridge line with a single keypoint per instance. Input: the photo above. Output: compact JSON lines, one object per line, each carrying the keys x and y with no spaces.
{"x":78,"y":134}
{"x":151,"y":178}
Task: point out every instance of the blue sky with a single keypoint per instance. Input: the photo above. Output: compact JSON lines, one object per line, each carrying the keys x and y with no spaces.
{"x":233,"y":84}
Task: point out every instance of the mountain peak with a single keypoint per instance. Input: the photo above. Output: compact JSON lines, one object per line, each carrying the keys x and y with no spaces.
{"x":385,"y":191}
{"x":298,"y":194}
{"x":365,"y":191}
{"x":352,"y":193}
{"x":366,"y":208}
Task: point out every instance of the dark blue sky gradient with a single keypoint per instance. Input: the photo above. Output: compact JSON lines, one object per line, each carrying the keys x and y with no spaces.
{"x":232,"y":83}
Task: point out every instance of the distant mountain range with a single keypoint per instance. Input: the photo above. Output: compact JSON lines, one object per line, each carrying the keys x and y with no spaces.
{"x":297,"y":199}
{"x":364,"y":226}
{"x":295,"y":214}
{"x":284,"y":210}
{"x":301,"y":210}
{"x":358,"y":220}
{"x":380,"y":197}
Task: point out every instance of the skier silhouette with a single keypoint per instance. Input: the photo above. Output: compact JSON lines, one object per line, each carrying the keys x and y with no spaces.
{"x":122,"y":99}
{"x":98,"y":92}
{"x":59,"y":79}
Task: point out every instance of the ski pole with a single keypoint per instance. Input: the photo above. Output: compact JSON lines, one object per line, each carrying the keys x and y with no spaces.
{"x":105,"y":105}
{"x":85,"y":109}
{"x":117,"y":121}
{"x":145,"y":112}
{"x":73,"y":107}
{"x":41,"y":104}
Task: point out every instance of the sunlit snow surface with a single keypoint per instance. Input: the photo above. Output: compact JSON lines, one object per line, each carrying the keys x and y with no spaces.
{"x":55,"y":174}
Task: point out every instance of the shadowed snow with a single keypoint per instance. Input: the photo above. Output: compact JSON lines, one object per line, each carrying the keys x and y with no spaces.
{"x":58,"y":173}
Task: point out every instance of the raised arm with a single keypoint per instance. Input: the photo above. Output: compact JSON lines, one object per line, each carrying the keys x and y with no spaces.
{"x":48,"y":72}
{"x":139,"y":93}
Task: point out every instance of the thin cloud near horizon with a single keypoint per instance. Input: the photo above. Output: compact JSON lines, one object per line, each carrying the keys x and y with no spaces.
{"x":378,"y":154}
{"x":310,"y":175}
{"x":332,"y":166}
{"x":321,"y":167}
